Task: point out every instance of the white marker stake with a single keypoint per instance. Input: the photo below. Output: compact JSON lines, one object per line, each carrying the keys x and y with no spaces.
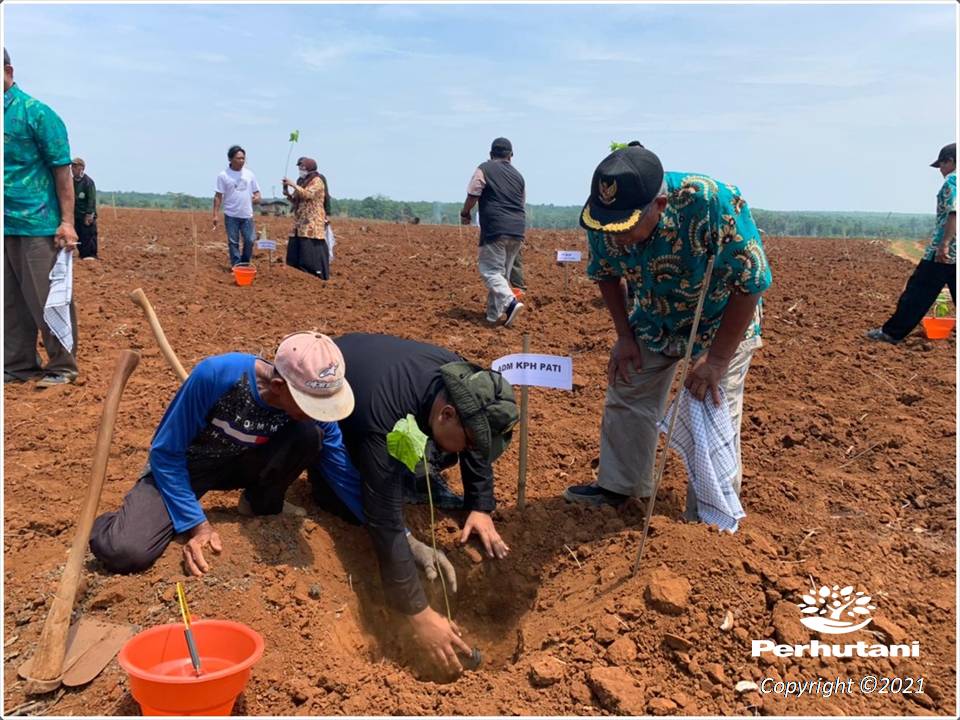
{"x":563,"y":258}
{"x":522,"y":479}
{"x":268,"y":245}
{"x":526,"y":369}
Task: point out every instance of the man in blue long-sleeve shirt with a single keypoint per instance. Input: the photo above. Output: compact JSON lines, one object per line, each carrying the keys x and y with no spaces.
{"x":238,"y":421}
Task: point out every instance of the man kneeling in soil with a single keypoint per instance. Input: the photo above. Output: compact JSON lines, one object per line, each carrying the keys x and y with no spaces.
{"x":238,"y":421}
{"x":658,"y":230}
{"x":468,"y":412}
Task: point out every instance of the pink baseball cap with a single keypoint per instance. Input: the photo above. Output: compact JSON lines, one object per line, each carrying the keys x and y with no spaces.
{"x":313,"y":368}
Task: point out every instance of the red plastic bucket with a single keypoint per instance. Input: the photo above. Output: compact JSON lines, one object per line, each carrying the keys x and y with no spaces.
{"x":162,"y":679}
{"x":938,"y":328}
{"x":244,"y":274}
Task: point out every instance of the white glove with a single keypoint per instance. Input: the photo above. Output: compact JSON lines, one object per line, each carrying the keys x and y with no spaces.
{"x":423,"y":556}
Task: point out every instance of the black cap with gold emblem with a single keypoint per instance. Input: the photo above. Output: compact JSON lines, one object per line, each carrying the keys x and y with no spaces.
{"x":623,"y":184}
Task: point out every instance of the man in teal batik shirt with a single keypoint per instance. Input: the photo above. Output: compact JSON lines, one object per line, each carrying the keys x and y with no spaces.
{"x":38,"y":204}
{"x":657,"y":231}
{"x":939,"y":264}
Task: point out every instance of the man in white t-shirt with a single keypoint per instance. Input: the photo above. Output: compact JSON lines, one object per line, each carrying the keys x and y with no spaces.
{"x":237,"y":191}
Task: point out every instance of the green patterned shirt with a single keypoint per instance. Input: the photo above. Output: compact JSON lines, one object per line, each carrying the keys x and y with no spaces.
{"x":946,"y":204}
{"x":34,"y":143}
{"x":664,"y":273}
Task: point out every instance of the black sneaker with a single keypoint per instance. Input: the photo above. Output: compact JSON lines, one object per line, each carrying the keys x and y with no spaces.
{"x":879,"y":334}
{"x":593,"y":494}
{"x":513,"y":310}
{"x":415,"y":492}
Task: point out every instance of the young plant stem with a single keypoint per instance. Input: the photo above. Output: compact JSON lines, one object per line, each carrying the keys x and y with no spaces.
{"x":433,"y":538}
{"x":286,"y":167}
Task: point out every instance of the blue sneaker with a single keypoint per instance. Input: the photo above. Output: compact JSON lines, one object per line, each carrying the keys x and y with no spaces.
{"x":593,"y":494}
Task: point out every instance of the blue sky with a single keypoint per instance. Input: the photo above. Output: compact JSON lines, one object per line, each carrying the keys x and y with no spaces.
{"x":804,"y":107}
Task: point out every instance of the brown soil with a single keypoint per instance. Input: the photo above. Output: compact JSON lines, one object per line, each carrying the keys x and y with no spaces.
{"x":849,"y":478}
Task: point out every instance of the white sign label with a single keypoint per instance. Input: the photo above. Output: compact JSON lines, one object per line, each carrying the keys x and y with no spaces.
{"x":266,"y":244}
{"x":548,"y":371}
{"x":569,"y":256}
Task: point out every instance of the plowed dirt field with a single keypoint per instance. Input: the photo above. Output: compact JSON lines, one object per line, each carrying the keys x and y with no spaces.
{"x":849,"y":464}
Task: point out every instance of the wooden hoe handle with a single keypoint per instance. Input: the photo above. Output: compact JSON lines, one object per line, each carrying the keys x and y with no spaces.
{"x":140,"y":299}
{"x":47,"y":665}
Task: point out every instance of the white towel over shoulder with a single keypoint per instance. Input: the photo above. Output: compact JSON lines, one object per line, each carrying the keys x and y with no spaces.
{"x":704,"y":436}
{"x":56,"y":311}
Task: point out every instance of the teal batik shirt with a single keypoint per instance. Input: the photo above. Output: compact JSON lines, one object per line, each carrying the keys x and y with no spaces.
{"x":665,"y":273}
{"x":34,"y":142}
{"x":946,"y":204}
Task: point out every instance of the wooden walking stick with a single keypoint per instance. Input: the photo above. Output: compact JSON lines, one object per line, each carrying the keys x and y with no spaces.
{"x":139,"y":298}
{"x":658,"y":476}
{"x":46,"y":669}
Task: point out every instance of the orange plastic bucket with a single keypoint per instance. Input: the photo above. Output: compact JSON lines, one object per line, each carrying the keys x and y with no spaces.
{"x":244,"y":274}
{"x":938,"y":328}
{"x":162,"y":679}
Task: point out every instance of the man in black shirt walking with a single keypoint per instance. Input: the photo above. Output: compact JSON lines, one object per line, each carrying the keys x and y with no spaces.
{"x":499,"y":188}
{"x":467,"y":411}
{"x":85,"y":209}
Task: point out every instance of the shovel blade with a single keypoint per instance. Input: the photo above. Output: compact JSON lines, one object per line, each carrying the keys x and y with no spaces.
{"x":96,"y":658}
{"x":83,"y":636}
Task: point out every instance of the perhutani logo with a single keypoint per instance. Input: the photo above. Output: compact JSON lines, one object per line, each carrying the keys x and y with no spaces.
{"x":834,"y":611}
{"x":828,"y":609}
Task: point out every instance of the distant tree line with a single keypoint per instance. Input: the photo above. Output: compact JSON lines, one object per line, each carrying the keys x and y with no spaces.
{"x":559,"y":217}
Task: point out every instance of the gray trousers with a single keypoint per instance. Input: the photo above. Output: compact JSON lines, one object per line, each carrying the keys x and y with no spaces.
{"x":132,"y":538}
{"x":628,"y":435}
{"x":516,"y":273}
{"x":27,"y":262}
{"x":496,"y":262}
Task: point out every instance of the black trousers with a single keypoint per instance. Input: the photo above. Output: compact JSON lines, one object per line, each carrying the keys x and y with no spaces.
{"x":922,"y":289}
{"x":88,"y":238}
{"x":312,"y":255}
{"x":132,"y":538}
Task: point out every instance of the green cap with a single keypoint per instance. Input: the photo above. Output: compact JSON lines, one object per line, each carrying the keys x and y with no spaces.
{"x":485,"y":403}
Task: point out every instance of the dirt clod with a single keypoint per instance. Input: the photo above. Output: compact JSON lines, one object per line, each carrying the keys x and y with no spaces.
{"x":616,"y":690}
{"x":545,"y":671}
{"x":661,"y":706}
{"x":622,"y":652}
{"x":667,"y":592}
{"x":786,"y":624}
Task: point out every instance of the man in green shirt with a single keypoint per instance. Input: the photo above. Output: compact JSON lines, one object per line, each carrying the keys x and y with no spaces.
{"x":38,"y":222}
{"x":937,"y":268}
{"x":85,"y":209}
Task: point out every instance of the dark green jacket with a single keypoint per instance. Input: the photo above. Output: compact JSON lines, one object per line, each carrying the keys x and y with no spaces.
{"x":86,"y":197}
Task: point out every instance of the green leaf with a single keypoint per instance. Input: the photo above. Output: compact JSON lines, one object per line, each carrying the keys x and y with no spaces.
{"x":295,"y":136}
{"x":406,"y":442}
{"x":941,"y":307}
{"x":614,"y":145}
